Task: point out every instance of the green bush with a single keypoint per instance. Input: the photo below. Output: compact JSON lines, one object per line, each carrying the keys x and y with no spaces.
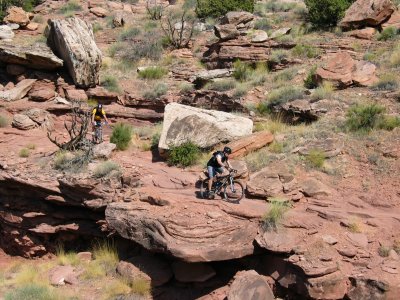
{"x":275,"y":213}
{"x":24,"y":152}
{"x":285,"y":94}
{"x":316,"y":158}
{"x":388,"y":122}
{"x":387,"y":82}
{"x":110,"y":83}
{"x":149,"y":45}
{"x":277,"y":6}
{"x":159,"y":90}
{"x":105,"y":168}
{"x":364,"y":117}
{"x":121,"y":135}
{"x":324,"y":91}
{"x":242,"y":71}
{"x":221,"y":85}
{"x":30,"y":292}
{"x":277,"y":56}
{"x":152,"y":73}
{"x":388,"y":33}
{"x":326,"y":13}
{"x":302,"y":50}
{"x":3,"y":121}
{"x":262,"y":24}
{"x":217,"y":8}
{"x":184,"y":155}
{"x":70,"y":7}
{"x":309,"y":83}
{"x":285,"y":75}
{"x":129,"y":33}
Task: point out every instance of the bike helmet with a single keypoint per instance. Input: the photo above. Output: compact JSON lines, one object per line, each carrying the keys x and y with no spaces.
{"x":227,"y":150}
{"x":99,"y":106}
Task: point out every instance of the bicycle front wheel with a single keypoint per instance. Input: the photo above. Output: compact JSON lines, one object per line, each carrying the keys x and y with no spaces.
{"x":204,"y":189}
{"x":234,"y":192}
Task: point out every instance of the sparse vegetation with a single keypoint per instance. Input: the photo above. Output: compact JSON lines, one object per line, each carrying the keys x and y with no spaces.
{"x":221,"y":85}
{"x":388,"y":33}
{"x":159,"y":90}
{"x":284,"y":94}
{"x":388,"y":122}
{"x":105,"y":253}
{"x":316,"y":158}
{"x":305,"y":51}
{"x":383,"y":251}
{"x":140,"y":286}
{"x":285,"y":75}
{"x":67,"y":258}
{"x":217,"y":8}
{"x":24,"y":152}
{"x":276,"y":147}
{"x":324,"y":91}
{"x":3,"y":121}
{"x":355,"y":227}
{"x":178,"y":28}
{"x":242,"y":71}
{"x":27,"y":5}
{"x":184,"y":155}
{"x":387,"y":82}
{"x":152,"y":73}
{"x":257,"y":160}
{"x":70,"y":7}
{"x":364,"y":117}
{"x":154,"y":9}
{"x":148,"y":45}
{"x":32,"y":291}
{"x":186,"y":87}
{"x":276,"y":212}
{"x":309,"y":83}
{"x":262,"y":24}
{"x":326,"y":13}
{"x":121,"y":135}
{"x":105,"y":169}
{"x":110,"y":83}
{"x":277,"y":56}
{"x":129,"y":33}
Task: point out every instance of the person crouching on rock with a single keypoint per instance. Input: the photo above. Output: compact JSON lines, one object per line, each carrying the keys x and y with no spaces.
{"x":216,"y":164}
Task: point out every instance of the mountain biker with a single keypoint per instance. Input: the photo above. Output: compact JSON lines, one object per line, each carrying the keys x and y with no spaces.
{"x":98,"y":114}
{"x":215,"y":165}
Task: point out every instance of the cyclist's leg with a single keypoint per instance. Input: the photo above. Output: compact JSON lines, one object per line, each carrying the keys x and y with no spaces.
{"x":211,"y":174}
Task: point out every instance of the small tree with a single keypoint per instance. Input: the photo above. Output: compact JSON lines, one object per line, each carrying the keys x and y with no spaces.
{"x":178,"y":28}
{"x":326,"y":13}
{"x":217,"y":8}
{"x":154,"y":9}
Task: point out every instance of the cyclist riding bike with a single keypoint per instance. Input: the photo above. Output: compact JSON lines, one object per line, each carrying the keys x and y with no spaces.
{"x":216,"y":164}
{"x":98,"y":114}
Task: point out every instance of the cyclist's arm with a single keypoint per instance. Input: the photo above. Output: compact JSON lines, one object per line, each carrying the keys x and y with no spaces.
{"x":229,"y":164}
{"x":105,"y":118}
{"x":219,"y":160}
{"x":93,"y":117}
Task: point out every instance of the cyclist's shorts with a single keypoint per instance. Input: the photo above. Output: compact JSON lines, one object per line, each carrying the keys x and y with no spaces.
{"x":98,"y":123}
{"x":212,"y":171}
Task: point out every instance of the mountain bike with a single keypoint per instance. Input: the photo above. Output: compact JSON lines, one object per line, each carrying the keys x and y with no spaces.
{"x":98,"y":132}
{"x":230,"y":189}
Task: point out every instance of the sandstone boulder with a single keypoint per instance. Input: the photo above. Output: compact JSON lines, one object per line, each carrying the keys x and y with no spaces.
{"x":102,"y":95}
{"x":312,"y":187}
{"x":23,"y":122}
{"x":330,"y":147}
{"x":250,"y":143}
{"x":237,"y":17}
{"x":365,"y":34}
{"x":42,"y":90}
{"x":35,"y":57}
{"x":342,"y":70}
{"x":121,"y":18}
{"x":299,"y":110}
{"x":208,"y":75}
{"x":192,"y":272}
{"x":364,"y":288}
{"x":259,"y":36}
{"x":250,"y":285}
{"x":18,"y":92}
{"x":6,"y":33}
{"x":394,"y":21}
{"x":280,"y":32}
{"x":32,"y":26}
{"x":330,"y":286}
{"x":226,"y":32}
{"x":103,"y":150}
{"x":72,"y":39}
{"x":203,"y":127}
{"x":17,"y":15}
{"x":73,"y":94}
{"x":41,"y":117}
{"x":99,"y":11}
{"x":148,"y":267}
{"x":60,"y":274}
{"x":367,"y":13}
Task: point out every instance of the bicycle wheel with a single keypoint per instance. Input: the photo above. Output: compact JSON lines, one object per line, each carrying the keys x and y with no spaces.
{"x":234,"y":192}
{"x":204,"y":189}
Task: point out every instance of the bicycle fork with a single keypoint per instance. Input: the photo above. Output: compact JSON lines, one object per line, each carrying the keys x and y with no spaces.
{"x":232,"y":185}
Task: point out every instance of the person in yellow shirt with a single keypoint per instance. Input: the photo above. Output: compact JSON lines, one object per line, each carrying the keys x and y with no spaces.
{"x":98,"y":114}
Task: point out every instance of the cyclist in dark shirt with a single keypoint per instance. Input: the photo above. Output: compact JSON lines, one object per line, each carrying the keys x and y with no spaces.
{"x":216,"y":164}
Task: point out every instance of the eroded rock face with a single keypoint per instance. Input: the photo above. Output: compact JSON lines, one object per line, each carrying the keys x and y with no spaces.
{"x":203,"y":127}
{"x":36,"y":57}
{"x":72,"y":39}
{"x":18,"y":92}
{"x":250,"y":285}
{"x":192,"y":272}
{"x":17,"y":15}
{"x":42,"y":90}
{"x":250,"y":143}
{"x":203,"y":233}
{"x":367,"y":13}
{"x":6,"y":33}
{"x":23,"y":122}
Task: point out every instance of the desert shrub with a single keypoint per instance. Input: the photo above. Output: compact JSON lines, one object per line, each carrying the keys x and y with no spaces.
{"x":309,"y":83}
{"x":387,"y":82}
{"x":257,"y":160}
{"x":154,"y":9}
{"x":383,"y":251}
{"x":149,"y":45}
{"x":394,"y":59}
{"x":152,"y":73}
{"x":184,"y":155}
{"x":285,"y":75}
{"x":130,"y":1}
{"x":106,"y":253}
{"x":30,"y":292}
{"x":324,"y":91}
{"x":114,"y":49}
{"x":97,"y":27}
{"x":364,"y":117}
{"x":326,"y":13}
{"x":276,"y":147}
{"x":277,"y":6}
{"x":140,"y":286}
{"x":67,"y":258}
{"x":388,"y":33}
{"x":129,"y":33}
{"x":303,"y":50}
{"x":105,"y":168}
{"x":24,"y":152}
{"x":284,"y":94}
{"x":189,"y":4}
{"x":61,"y":160}
{"x":159,"y":90}
{"x":216,"y":8}
{"x":276,"y":212}
{"x":240,"y":91}
{"x":262,"y":24}
{"x":369,"y":56}
{"x":121,"y":135}
{"x":354,"y":227}
{"x":316,"y":158}
{"x":186,"y":87}
{"x":110,"y":83}
{"x":221,"y":85}
{"x":31,"y":146}
{"x":70,"y":7}
{"x":3,"y":121}
{"x":242,"y":71}
{"x":274,"y":125}
{"x":388,"y":122}
{"x":116,"y":288}
{"x":277,"y":56}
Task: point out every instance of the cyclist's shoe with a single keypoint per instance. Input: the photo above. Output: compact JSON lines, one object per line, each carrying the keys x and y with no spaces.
{"x":211,"y":195}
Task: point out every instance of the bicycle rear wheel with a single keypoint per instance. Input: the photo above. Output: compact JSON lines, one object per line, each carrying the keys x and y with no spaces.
{"x":234,"y":192}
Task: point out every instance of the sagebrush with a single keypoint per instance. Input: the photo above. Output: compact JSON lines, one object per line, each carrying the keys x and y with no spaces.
{"x":121,"y":135}
{"x":184,"y":155}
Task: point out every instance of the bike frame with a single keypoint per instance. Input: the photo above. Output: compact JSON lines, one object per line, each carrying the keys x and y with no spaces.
{"x":225,"y":180}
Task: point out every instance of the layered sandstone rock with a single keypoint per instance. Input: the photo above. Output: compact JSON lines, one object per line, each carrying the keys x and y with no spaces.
{"x":203,"y":127}
{"x":6,"y":33}
{"x":251,"y":143}
{"x":18,"y":92}
{"x":250,"y":285}
{"x":72,"y":39}
{"x":17,"y":15}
